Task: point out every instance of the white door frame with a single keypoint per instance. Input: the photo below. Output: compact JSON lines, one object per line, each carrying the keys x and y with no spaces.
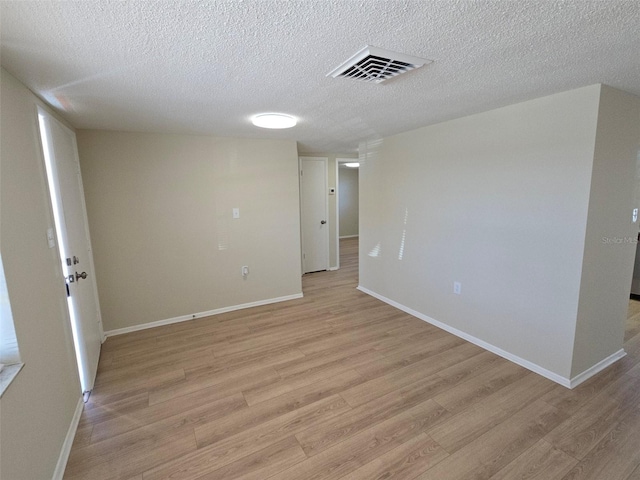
{"x":337,"y":215}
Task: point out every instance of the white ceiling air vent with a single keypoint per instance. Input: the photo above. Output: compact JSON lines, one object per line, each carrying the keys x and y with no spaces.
{"x":372,"y":64}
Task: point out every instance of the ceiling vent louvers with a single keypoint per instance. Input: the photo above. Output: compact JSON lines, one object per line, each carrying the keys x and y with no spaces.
{"x":372,"y":64}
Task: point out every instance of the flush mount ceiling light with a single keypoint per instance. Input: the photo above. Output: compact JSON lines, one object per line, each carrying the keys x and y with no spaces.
{"x":352,"y":164}
{"x":373,"y":64}
{"x":273,"y":120}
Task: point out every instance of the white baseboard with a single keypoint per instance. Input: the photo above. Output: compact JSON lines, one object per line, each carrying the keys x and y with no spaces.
{"x":349,"y":236}
{"x":564,"y":381}
{"x":193,"y":316}
{"x":598,"y":367}
{"x":333,"y":269}
{"x":68,"y":442}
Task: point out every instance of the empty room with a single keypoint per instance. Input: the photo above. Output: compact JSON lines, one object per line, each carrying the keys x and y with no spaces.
{"x":319,"y":239}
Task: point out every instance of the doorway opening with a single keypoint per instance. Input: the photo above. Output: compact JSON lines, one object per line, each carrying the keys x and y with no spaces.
{"x":314,"y":213}
{"x":348,"y":182}
{"x":336,"y":201}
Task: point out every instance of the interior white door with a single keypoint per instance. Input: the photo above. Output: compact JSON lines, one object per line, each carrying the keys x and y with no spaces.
{"x":314,"y":214}
{"x":67,"y":196}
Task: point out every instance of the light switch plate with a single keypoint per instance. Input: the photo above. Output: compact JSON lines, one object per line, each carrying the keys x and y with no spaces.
{"x":236,"y":213}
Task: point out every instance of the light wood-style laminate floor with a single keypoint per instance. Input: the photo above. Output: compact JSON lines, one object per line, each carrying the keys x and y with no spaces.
{"x":341,"y":385}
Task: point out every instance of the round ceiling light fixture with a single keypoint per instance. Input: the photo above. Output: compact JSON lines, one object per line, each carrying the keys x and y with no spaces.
{"x":273,"y":120}
{"x":352,"y":164}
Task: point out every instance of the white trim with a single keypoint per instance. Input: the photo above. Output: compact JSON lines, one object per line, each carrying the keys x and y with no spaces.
{"x":349,"y":236}
{"x":333,"y":269}
{"x":58,"y":473}
{"x":336,"y":226}
{"x":185,"y":318}
{"x":598,"y":367}
{"x":8,"y":373}
{"x":565,"y":382}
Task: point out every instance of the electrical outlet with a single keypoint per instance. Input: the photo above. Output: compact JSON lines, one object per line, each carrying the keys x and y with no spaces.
{"x":457,"y":288}
{"x":245,"y":271}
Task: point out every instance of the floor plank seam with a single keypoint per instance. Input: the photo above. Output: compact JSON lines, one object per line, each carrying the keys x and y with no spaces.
{"x":274,"y":366}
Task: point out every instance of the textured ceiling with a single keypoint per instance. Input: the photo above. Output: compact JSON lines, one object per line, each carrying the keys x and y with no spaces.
{"x":204,"y":67}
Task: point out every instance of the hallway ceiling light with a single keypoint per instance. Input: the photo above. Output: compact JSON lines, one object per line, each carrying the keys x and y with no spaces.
{"x":352,"y":164}
{"x":273,"y":120}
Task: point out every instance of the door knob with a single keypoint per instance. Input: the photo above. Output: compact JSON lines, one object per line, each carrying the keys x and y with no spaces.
{"x":322,"y":222}
{"x":82,"y":275}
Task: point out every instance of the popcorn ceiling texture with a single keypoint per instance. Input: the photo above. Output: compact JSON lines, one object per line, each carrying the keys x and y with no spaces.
{"x":204,"y":67}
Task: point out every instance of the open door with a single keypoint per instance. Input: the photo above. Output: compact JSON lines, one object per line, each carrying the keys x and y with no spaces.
{"x":314,"y":212}
{"x":72,"y":232}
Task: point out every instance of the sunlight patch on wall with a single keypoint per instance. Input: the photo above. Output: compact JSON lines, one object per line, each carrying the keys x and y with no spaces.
{"x":404,"y":234}
{"x":8,"y":343}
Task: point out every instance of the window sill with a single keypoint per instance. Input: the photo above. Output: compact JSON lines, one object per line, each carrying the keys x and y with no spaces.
{"x":8,"y":373}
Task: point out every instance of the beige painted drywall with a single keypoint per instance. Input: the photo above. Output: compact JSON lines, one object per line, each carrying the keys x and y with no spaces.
{"x":348,"y":190}
{"x":160,"y":216}
{"x":611,"y":234}
{"x":38,"y":407}
{"x":496,"y":201}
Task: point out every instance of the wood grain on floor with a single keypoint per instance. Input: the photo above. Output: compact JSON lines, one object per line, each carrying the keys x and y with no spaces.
{"x":338,"y":385}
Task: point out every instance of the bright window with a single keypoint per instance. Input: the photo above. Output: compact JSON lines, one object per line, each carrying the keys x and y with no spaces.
{"x":8,"y":344}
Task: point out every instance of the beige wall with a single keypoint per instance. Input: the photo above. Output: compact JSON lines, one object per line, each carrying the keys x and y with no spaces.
{"x":160,"y":215}
{"x":497,"y":201}
{"x":611,"y":234}
{"x":38,"y":407}
{"x":348,"y":190}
